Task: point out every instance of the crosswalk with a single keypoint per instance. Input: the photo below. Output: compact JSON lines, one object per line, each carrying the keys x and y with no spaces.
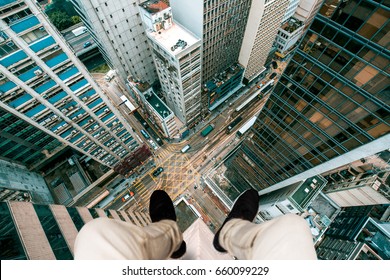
{"x":163,"y":155}
{"x":177,"y":176}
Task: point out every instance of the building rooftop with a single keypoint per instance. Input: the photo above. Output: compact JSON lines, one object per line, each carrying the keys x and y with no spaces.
{"x":291,"y":25}
{"x":185,"y":215}
{"x":174,"y":39}
{"x":140,"y":85}
{"x":199,"y":241}
{"x":154,"y":6}
{"x":307,"y":190}
{"x":158,"y":105}
{"x":224,"y":76}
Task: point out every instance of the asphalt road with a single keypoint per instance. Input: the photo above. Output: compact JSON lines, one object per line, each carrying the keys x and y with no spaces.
{"x":183,"y":171}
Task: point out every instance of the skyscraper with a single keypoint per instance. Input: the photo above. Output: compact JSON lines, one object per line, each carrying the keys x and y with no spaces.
{"x":331,"y":104}
{"x":221,"y":25}
{"x":264,"y":20}
{"x":45,"y":88}
{"x":359,"y":232}
{"x":117,"y":28}
{"x":177,"y":56}
{"x":48,"y":232}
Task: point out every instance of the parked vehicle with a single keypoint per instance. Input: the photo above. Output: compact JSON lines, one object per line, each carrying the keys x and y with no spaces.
{"x":157,"y":171}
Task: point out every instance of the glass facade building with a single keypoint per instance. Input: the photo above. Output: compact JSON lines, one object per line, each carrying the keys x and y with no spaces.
{"x":22,"y":142}
{"x":48,"y":232}
{"x":44,"y":87}
{"x":332,"y":98}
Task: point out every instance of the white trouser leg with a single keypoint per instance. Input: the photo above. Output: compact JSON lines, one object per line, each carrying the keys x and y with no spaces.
{"x":110,"y":239}
{"x":284,"y":238}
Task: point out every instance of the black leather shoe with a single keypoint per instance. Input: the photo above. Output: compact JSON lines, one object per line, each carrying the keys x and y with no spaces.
{"x":180,"y":252}
{"x":245,"y":207}
{"x":161,"y":208}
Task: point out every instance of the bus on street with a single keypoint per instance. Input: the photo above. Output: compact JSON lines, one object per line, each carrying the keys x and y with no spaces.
{"x":207,"y":130}
{"x":185,"y":149}
{"x":246,"y":126}
{"x":145,"y":134}
{"x":233,"y":124}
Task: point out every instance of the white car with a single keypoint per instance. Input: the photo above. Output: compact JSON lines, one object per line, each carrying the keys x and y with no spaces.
{"x":153,"y":144}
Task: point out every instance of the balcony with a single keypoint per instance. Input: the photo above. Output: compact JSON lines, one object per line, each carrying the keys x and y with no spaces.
{"x":57,"y":97}
{"x":77,"y":86}
{"x":15,"y":57}
{"x":42,"y":44}
{"x":68,"y":73}
{"x":56,"y":60}
{"x":45,"y":87}
{"x":24,"y":24}
{"x":36,"y":110}
{"x":7,"y":86}
{"x":19,"y":101}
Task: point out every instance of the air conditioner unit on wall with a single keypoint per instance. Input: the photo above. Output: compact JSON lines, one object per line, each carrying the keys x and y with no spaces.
{"x":38,"y":72}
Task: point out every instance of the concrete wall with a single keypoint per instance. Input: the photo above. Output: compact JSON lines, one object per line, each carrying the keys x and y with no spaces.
{"x":189,"y":14}
{"x":17,"y":177}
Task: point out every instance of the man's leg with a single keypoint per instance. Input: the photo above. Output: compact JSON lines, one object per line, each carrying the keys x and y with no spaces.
{"x":111,"y":239}
{"x":105,"y":238}
{"x":284,"y":238}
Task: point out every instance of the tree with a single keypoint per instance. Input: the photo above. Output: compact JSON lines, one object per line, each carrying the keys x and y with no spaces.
{"x":75,"y":19}
{"x":60,"y":20}
{"x":62,"y":14}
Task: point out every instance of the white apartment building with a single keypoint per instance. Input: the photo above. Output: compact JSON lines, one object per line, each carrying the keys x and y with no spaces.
{"x":117,"y":28}
{"x":43,"y":84}
{"x":288,"y":35}
{"x":176,"y":54}
{"x":265,"y":17}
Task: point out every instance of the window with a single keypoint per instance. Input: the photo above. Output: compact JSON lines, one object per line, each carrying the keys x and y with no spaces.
{"x":53,"y":232}
{"x":10,"y":238}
